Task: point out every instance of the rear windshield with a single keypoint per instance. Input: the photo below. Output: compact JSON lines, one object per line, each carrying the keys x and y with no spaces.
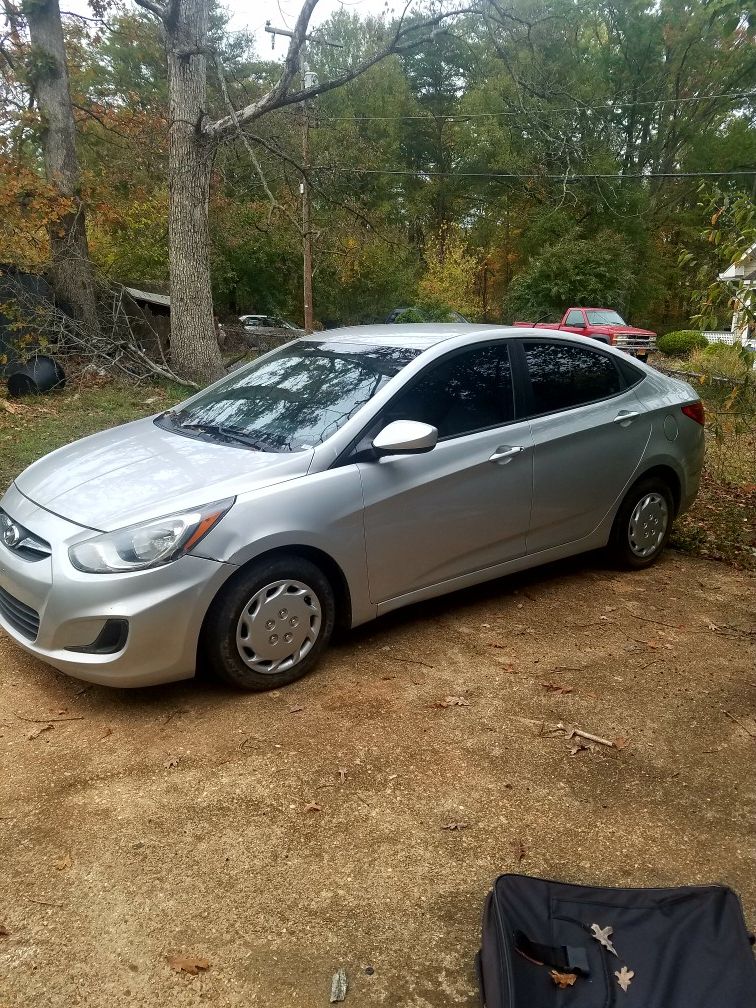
{"x":291,"y":400}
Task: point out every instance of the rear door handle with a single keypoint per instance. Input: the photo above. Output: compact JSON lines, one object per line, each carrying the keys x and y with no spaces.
{"x":625,"y":416}
{"x":506,"y":453}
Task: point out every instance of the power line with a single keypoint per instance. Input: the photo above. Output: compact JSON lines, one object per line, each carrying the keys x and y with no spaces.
{"x":337,"y":169}
{"x":569,"y":108}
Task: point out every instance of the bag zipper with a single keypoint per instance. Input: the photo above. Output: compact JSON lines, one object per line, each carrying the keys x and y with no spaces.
{"x":505,"y":957}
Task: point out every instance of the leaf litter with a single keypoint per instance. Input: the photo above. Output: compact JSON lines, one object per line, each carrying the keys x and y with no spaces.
{"x":602,"y":936}
{"x":563,"y":980}
{"x":452,"y":701}
{"x":624,"y":977}
{"x":188,"y":963}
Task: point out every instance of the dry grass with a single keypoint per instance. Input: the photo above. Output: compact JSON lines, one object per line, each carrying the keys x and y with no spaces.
{"x":722,"y":523}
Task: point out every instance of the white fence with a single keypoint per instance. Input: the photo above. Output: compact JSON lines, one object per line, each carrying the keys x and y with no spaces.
{"x":722,"y":336}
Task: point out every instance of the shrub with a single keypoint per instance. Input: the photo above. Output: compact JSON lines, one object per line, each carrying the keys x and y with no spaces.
{"x":724,"y":361}
{"x":682,"y":343}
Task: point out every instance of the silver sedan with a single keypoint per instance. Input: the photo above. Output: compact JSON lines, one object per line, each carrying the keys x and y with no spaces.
{"x":329,"y":482}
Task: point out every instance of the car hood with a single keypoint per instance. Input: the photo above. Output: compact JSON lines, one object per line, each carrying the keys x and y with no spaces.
{"x":140,"y":471}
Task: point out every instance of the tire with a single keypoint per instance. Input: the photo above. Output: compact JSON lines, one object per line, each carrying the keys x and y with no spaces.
{"x":286,"y":596}
{"x":643,"y":523}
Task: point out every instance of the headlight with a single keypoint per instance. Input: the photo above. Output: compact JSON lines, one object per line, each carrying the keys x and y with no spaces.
{"x":150,"y":544}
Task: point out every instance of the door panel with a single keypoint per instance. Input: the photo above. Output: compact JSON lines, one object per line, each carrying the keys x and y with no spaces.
{"x":587,"y":441}
{"x":582,"y":460}
{"x":448,"y":512}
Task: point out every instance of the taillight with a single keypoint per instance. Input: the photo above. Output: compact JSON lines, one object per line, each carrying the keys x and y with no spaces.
{"x":695,"y":411}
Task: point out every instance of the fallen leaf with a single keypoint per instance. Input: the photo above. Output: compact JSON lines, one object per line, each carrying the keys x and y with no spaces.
{"x":339,"y":986}
{"x":624,"y":977}
{"x":313,"y":807}
{"x":38,"y":731}
{"x":553,"y":687}
{"x":602,"y":937}
{"x":4,"y":932}
{"x":621,"y":743}
{"x":63,"y":863}
{"x":579,"y":746}
{"x":171,"y":762}
{"x":188,"y":963}
{"x":455,"y":826}
{"x":8,"y":406}
{"x":452,"y":701}
{"x":562,"y":979}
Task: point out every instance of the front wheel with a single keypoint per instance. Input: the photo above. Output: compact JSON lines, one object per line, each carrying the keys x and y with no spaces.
{"x":643,"y":524}
{"x":269,"y":625}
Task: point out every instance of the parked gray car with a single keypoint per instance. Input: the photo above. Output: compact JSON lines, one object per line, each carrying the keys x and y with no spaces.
{"x":329,"y":482}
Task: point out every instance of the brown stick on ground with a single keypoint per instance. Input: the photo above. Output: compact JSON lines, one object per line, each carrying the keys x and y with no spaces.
{"x":570,"y":732}
{"x":740,"y":724}
{"x":49,"y":720}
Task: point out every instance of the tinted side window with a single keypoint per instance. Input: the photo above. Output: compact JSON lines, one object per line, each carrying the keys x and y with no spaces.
{"x":575,"y":317}
{"x":563,"y":376}
{"x":466,"y":392}
{"x":630,"y":373}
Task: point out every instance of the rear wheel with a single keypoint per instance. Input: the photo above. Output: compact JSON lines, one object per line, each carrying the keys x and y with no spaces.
{"x":643,"y":524}
{"x":269,"y":625}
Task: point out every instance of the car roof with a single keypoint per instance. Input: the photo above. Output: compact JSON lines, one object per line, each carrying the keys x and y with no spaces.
{"x":418,"y":336}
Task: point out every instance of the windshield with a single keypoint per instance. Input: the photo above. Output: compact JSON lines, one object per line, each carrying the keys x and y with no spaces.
{"x":291,"y":400}
{"x":604,"y":317}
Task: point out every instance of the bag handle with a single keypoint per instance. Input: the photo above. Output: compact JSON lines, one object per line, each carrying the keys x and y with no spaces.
{"x":572,"y":958}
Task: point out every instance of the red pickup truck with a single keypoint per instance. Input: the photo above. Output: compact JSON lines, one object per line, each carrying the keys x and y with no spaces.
{"x":604,"y":325}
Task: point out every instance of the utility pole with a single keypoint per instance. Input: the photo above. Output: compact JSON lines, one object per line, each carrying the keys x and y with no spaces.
{"x":304,"y":189}
{"x":308,"y":79}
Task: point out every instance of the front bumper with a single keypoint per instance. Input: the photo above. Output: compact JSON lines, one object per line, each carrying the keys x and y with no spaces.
{"x":636,"y":348}
{"x":164,"y":607}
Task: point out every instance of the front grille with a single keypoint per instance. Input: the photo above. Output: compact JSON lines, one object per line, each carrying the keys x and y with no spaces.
{"x":23,"y":542}
{"x":20,"y":616}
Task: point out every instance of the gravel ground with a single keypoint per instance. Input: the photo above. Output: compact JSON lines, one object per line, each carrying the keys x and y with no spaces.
{"x":285,"y":835}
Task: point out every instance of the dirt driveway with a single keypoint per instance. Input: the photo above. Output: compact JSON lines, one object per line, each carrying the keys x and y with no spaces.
{"x":286,"y":835}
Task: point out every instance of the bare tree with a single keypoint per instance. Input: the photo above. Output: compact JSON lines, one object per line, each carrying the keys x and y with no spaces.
{"x":194,"y":137}
{"x":71,"y":272}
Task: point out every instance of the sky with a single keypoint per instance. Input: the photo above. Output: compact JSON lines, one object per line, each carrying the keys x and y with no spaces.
{"x":251,"y":15}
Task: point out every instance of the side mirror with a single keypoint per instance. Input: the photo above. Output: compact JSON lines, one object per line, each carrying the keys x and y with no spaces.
{"x":405,"y":437}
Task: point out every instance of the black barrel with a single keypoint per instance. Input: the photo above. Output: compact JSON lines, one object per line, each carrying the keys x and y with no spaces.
{"x":40,"y":374}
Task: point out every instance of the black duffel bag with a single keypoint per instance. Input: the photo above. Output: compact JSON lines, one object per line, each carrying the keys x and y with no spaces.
{"x":555,"y":945}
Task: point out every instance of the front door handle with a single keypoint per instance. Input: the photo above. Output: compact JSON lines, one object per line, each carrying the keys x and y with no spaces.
{"x":624,"y":417}
{"x":506,"y":453}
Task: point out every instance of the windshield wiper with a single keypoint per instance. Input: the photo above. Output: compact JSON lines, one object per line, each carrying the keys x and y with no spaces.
{"x":234,"y":434}
{"x":230,"y":434}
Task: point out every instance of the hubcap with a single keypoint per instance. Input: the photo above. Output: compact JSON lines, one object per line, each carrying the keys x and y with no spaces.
{"x":648,"y":524}
{"x":278,"y":626}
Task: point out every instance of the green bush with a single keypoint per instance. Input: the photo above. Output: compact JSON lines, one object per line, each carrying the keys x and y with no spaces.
{"x":681,"y":344}
{"x":723,"y":360}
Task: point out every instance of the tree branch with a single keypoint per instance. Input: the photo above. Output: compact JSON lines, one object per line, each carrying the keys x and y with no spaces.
{"x":158,"y":9}
{"x":275,"y":98}
{"x":280,"y":96}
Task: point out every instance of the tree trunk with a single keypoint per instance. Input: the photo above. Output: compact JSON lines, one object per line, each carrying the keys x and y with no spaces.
{"x":71,"y":272}
{"x":194,"y":342}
